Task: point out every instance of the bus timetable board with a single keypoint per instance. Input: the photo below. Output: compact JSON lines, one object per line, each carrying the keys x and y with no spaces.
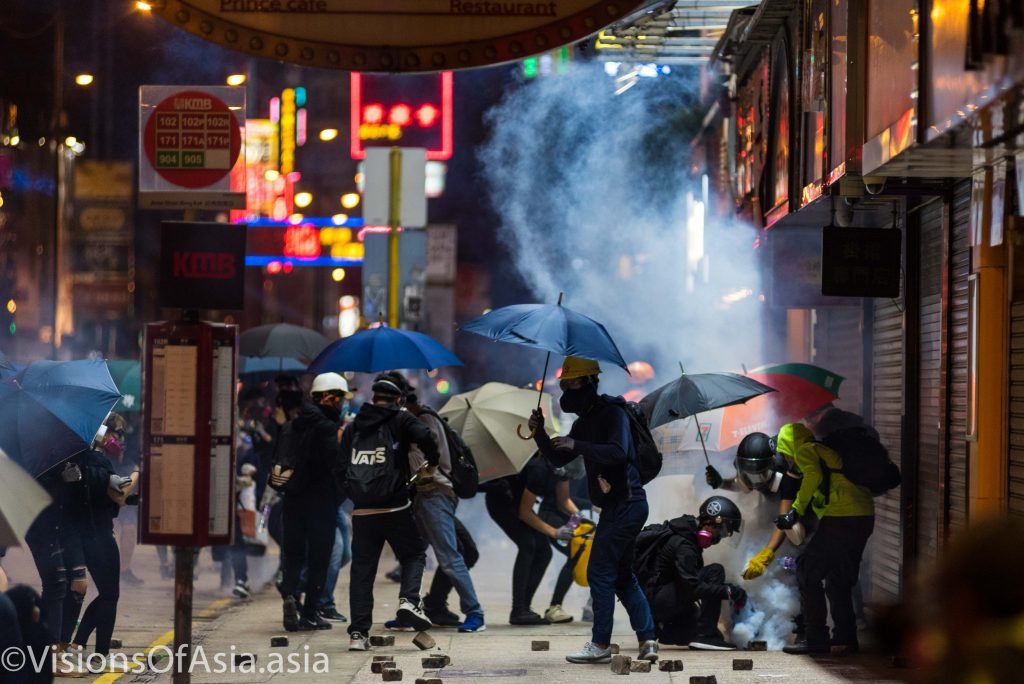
{"x":188,"y":434}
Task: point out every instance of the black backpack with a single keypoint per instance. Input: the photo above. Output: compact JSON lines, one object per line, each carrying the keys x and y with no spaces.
{"x":866,"y":461}
{"x":648,"y":458}
{"x":291,"y":450}
{"x":645,"y":560}
{"x":376,"y":475}
{"x":464,"y":474}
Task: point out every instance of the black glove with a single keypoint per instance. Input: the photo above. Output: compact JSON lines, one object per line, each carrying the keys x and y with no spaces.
{"x":737,"y":595}
{"x":787,"y":520}
{"x":712,"y":477}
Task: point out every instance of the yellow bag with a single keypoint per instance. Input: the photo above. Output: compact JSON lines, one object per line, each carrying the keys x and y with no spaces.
{"x":579,"y":548}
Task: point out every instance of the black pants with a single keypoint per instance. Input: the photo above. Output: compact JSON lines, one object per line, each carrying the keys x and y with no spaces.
{"x":103,"y":560}
{"x":832,"y":559}
{"x":369,"y":532}
{"x":44,"y":543}
{"x":678,"y":617}
{"x":309,"y":522}
{"x":441,"y":585}
{"x":534,"y":551}
{"x":564,"y":581}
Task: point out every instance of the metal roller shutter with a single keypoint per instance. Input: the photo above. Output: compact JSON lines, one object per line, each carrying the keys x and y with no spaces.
{"x":886,"y":556}
{"x":930,"y":477}
{"x":960,"y":269}
{"x":1016,"y":483}
{"x":839,"y":347}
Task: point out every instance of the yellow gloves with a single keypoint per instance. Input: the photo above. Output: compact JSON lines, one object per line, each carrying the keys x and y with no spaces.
{"x":758,"y":564}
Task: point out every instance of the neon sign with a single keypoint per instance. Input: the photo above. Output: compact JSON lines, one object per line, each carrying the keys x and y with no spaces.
{"x":411,"y":111}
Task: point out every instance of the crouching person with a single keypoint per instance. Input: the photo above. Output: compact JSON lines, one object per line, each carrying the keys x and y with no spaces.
{"x":686,"y":595}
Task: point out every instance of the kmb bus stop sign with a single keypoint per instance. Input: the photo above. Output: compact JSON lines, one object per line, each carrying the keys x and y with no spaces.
{"x":191,"y":148}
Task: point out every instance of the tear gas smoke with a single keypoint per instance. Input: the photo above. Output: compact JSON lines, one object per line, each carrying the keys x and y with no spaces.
{"x":595,"y":199}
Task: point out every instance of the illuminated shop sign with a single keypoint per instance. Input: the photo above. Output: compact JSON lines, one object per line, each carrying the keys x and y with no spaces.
{"x":312,"y":242}
{"x":402,"y":111}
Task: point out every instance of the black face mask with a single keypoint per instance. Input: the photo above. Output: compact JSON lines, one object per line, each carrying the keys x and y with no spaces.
{"x":332,"y":412}
{"x":577,"y":400}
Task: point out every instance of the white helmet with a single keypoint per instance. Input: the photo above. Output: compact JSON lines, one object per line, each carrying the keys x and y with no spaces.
{"x":330,"y":382}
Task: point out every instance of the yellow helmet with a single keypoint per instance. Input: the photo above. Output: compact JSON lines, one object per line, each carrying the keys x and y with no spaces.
{"x":574,"y":367}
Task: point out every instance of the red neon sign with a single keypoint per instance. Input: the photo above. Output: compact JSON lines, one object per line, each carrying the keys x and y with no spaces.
{"x":302,"y":242}
{"x":407,"y":110}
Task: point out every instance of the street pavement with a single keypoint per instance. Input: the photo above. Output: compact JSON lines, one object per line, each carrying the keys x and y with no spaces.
{"x":227,"y":628}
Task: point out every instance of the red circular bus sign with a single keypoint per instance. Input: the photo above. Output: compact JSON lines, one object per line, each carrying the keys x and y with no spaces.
{"x":192,"y":139}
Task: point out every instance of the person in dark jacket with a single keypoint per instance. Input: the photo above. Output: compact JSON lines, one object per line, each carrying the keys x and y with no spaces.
{"x":92,"y":504}
{"x":686,"y":595}
{"x":601,"y":434}
{"x":374,"y":473}
{"x":311,"y":503}
{"x":28,"y":622}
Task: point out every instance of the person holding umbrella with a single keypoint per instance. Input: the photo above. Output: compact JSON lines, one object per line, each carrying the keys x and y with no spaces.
{"x":602,"y":435}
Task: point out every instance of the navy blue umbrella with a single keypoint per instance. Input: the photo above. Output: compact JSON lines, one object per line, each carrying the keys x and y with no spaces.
{"x":380,"y":349}
{"x":259,"y":368}
{"x":50,"y":410}
{"x":7,"y":367}
{"x":552,"y":328}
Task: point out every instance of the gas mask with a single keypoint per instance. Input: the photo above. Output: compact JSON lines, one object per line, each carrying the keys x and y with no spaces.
{"x":113,"y":447}
{"x":576,"y":400}
{"x":705,"y":538}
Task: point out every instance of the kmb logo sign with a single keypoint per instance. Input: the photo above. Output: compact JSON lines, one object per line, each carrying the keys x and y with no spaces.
{"x":201,"y":265}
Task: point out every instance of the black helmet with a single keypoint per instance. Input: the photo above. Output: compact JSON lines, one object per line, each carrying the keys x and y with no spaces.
{"x":723,"y":511}
{"x":755,"y":461}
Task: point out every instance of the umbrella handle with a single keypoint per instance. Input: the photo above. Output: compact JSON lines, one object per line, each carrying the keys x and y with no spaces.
{"x":519,"y":431}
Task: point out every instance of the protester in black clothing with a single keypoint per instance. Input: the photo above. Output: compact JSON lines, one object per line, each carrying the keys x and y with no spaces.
{"x":310,"y":502}
{"x":686,"y":595}
{"x":35,"y":639}
{"x":11,"y":638}
{"x":52,"y":563}
{"x":374,"y":473}
{"x":92,"y":503}
{"x":533,"y":553}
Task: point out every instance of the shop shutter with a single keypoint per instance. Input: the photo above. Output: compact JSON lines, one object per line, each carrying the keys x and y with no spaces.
{"x":960,"y":269}
{"x":929,"y":503}
{"x":839,"y":347}
{"x":886,"y":555}
{"x":1016,"y":483}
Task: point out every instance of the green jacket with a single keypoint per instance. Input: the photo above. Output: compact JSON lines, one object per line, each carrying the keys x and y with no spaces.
{"x":845,"y":499}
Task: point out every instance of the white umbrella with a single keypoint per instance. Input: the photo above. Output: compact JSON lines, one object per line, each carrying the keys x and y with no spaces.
{"x":21,"y":500}
{"x":487,"y":418}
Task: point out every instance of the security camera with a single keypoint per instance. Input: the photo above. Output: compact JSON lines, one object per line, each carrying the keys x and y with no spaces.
{"x":874,"y":184}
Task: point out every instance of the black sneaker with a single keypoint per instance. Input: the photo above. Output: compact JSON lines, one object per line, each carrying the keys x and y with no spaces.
{"x":314,"y":622}
{"x":526,"y":617}
{"x":291,"y":614}
{"x":711,"y":642}
{"x":332,"y":614}
{"x":801,"y":647}
{"x":441,"y":616}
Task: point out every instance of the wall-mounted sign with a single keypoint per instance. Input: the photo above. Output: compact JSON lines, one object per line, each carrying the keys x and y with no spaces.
{"x":368,"y":35}
{"x":190,"y":142}
{"x":861,"y":262}
{"x":401,"y":111}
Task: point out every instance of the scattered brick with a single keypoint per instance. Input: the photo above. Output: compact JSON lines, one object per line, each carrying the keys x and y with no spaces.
{"x":710,"y":679}
{"x":383,"y":658}
{"x":436,"y":662}
{"x":757,"y":646}
{"x":392,"y":675}
{"x":430,"y":680}
{"x":614,"y":648}
{"x":540,"y":645}
{"x":381,"y":665}
{"x":620,"y":664}
{"x":742,"y":664}
{"x":243,"y":659}
{"x":277,"y":642}
{"x":115,"y":643}
{"x":640,"y":666}
{"x":670,"y":665}
{"x":381,"y":640}
{"x":424,"y":641}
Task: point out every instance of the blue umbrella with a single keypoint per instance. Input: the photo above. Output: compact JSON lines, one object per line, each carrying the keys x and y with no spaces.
{"x":257,"y":368}
{"x":51,"y":410}
{"x":550,"y":328}
{"x":381,"y":349}
{"x":7,"y":367}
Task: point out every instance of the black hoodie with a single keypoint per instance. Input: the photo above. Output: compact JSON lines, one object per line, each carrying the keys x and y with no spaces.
{"x":681,"y":557}
{"x":317,"y":427}
{"x":380,"y":479}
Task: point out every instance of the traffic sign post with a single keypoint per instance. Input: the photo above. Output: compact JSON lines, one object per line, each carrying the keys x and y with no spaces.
{"x":191,"y":147}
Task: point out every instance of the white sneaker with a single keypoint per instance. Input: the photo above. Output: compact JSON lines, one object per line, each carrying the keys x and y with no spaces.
{"x":413,"y":616}
{"x":358,"y":642}
{"x":591,"y":653}
{"x":649,"y":651}
{"x":555,"y":614}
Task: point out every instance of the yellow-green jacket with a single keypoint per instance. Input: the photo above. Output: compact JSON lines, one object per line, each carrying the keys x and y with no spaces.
{"x":845,"y":499}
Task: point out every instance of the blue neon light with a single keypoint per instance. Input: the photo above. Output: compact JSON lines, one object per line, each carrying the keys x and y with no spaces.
{"x":316,"y":221}
{"x":318,"y":261}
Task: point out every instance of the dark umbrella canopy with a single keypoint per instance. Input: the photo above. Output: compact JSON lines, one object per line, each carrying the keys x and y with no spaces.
{"x":698,"y":392}
{"x":380,"y":349}
{"x":7,"y":367}
{"x":549,"y":327}
{"x":281,"y":339}
{"x":51,"y":410}
{"x":258,"y":369}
